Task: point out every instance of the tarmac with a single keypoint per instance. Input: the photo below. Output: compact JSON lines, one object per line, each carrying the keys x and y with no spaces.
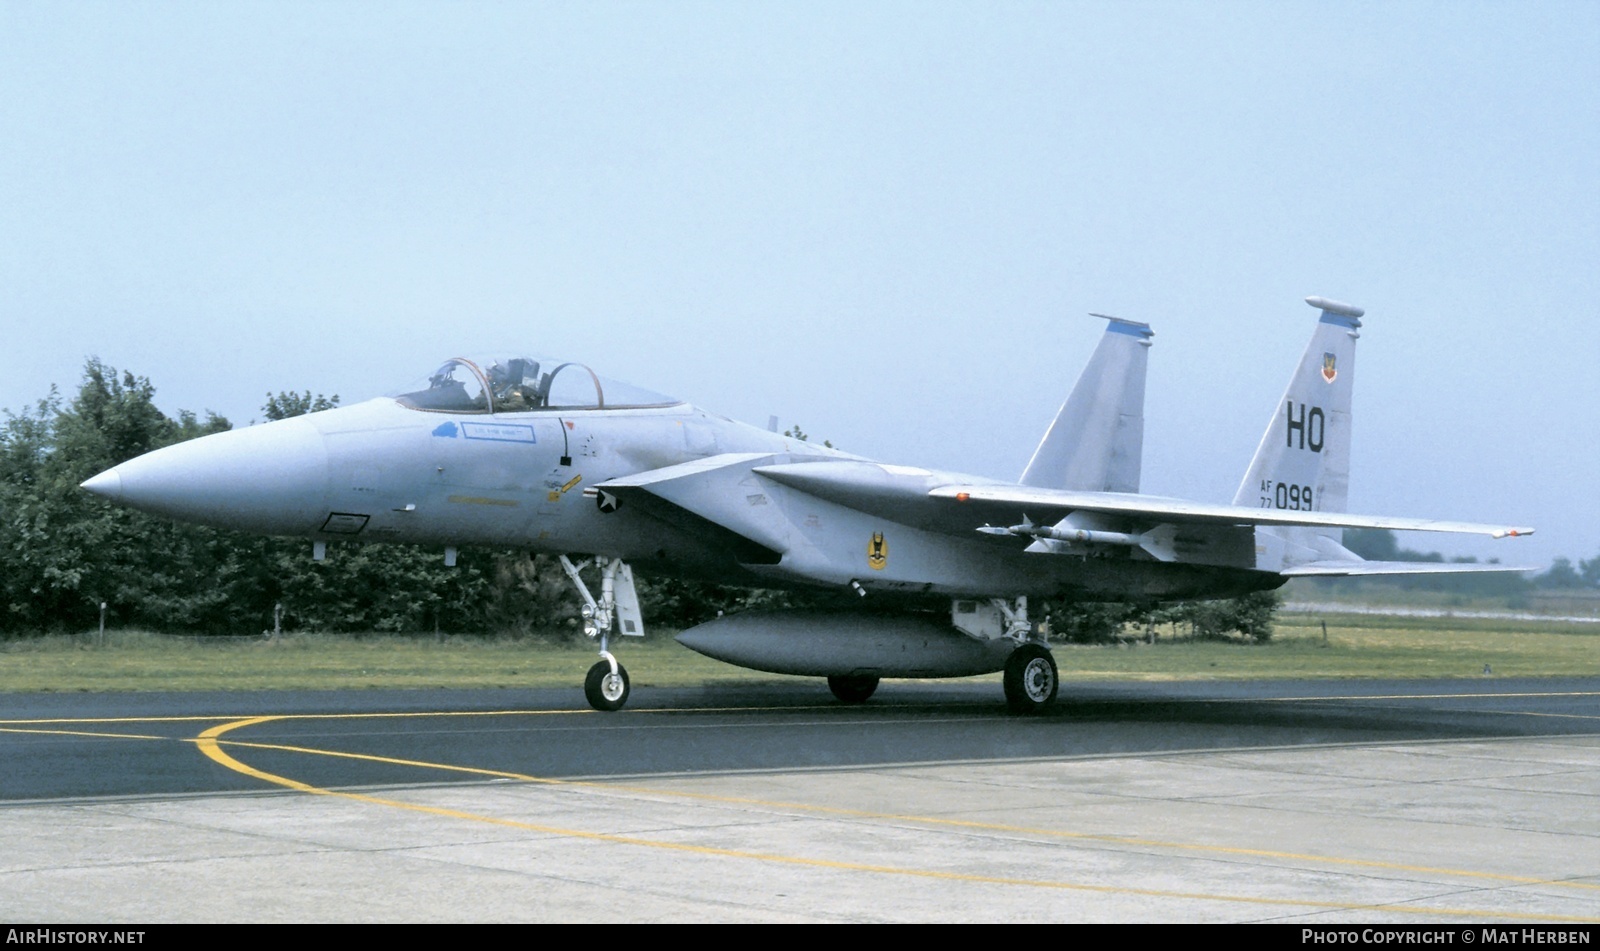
{"x":1461,"y":830}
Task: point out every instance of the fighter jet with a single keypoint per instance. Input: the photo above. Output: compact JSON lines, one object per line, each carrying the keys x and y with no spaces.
{"x":548,"y":456}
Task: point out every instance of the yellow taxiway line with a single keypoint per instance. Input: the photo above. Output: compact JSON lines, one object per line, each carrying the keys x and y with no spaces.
{"x":210,"y":744}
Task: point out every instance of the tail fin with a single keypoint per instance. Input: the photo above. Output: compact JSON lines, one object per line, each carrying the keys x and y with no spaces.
{"x":1303,"y":462}
{"x":1097,"y":440}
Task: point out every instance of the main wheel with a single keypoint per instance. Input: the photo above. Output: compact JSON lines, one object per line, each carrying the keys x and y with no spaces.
{"x":852,"y":689}
{"x":1031,"y":679}
{"x":606,"y":691}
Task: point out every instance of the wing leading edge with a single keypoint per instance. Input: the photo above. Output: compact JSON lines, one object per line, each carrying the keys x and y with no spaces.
{"x":1156,"y":509}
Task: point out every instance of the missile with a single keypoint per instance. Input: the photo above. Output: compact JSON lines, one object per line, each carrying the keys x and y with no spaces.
{"x":1092,"y":536}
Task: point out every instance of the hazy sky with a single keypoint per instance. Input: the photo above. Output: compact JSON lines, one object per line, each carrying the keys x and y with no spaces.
{"x":883,"y":221}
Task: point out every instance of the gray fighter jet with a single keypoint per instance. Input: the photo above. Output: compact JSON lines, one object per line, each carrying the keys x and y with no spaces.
{"x":550,"y":457}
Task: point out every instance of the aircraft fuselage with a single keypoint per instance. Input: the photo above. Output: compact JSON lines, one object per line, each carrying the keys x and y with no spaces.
{"x":380,"y":471}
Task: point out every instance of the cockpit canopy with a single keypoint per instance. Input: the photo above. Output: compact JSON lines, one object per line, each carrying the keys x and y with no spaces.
{"x":521,"y":385}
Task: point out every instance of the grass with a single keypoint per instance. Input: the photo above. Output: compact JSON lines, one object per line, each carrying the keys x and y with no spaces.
{"x":136,"y":660}
{"x":1356,"y":646}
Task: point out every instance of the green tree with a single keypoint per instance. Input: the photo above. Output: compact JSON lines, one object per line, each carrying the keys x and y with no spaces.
{"x":1589,"y":571}
{"x":287,"y":403}
{"x":1560,"y":576}
{"x":390,"y":588}
{"x":795,"y":432}
{"x":1373,"y":544}
{"x":25,"y":444}
{"x":530,"y":594}
{"x":65,"y":550}
{"x":1250,"y":615}
{"x":1083,"y":622}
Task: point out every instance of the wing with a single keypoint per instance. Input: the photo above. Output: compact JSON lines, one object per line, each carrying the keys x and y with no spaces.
{"x":1180,"y":511}
{"x":725,"y":499}
{"x":932,"y":500}
{"x":1066,"y":521}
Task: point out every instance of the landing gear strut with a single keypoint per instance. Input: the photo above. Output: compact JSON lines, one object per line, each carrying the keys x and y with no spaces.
{"x":606,"y":686}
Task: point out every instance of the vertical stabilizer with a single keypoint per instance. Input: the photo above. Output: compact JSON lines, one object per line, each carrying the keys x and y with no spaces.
{"x":1097,"y":440}
{"x":1303,"y":462}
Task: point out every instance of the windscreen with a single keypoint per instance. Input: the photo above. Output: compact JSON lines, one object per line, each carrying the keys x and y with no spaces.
{"x":522,"y":385}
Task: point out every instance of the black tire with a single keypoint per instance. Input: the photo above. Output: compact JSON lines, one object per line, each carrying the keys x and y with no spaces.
{"x":1031,"y":679}
{"x":852,"y":689}
{"x":605,"y":694}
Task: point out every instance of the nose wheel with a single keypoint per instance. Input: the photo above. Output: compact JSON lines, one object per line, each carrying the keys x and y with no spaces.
{"x":606,"y":690}
{"x":1031,"y":680}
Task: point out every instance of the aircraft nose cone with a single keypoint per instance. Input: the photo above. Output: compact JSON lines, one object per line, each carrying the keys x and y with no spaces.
{"x":107,"y":484}
{"x":270,"y":479}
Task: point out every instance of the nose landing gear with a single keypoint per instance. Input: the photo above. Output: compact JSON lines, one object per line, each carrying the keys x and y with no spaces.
{"x":606,"y":686}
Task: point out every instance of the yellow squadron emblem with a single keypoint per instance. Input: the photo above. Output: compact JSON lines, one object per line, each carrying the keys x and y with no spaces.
{"x":877,"y":552}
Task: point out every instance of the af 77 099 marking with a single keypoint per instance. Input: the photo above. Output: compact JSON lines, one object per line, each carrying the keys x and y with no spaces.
{"x":548,"y":456}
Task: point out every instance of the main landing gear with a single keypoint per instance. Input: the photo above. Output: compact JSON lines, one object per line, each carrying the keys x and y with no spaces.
{"x":1031,"y":679}
{"x":606,"y":686}
{"x":852,"y":689}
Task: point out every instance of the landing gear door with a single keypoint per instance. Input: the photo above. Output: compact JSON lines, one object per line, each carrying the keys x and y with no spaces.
{"x":630,"y":620}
